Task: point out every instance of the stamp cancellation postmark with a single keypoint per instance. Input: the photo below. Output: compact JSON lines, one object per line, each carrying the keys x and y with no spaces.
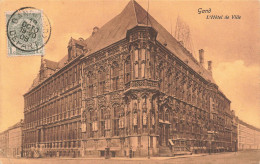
{"x":28,"y":30}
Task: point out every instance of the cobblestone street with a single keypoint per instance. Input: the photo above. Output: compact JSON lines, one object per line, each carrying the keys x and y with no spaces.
{"x":245,"y":157}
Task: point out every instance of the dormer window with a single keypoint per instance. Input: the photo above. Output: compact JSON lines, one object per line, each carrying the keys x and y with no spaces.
{"x":69,"y":53}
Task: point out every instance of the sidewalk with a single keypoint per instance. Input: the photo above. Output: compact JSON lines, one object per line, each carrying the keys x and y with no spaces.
{"x":137,"y":158}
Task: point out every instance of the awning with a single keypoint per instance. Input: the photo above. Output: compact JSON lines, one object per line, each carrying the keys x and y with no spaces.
{"x":171,"y":142}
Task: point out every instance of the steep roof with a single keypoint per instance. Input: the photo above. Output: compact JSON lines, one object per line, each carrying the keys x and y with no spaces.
{"x":248,"y":125}
{"x":134,"y":15}
{"x":115,"y":30}
{"x":51,"y":64}
{"x":17,"y":125}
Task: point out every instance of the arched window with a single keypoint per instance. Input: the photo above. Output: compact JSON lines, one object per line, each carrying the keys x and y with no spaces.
{"x":115,"y":76}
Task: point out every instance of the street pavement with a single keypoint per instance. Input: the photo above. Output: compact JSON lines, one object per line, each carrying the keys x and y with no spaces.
{"x":242,"y":157}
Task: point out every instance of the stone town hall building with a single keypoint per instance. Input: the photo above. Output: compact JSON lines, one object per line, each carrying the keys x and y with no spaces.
{"x":130,"y":87}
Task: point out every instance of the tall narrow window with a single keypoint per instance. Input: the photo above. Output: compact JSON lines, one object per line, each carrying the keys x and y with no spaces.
{"x":90,"y":84}
{"x":143,"y":57}
{"x":144,"y":118}
{"x":116,"y":120}
{"x":127,"y":69}
{"x":169,"y":81}
{"x":93,"y":124}
{"x":161,"y":114}
{"x":136,"y":70}
{"x":135,"y":122}
{"x":143,"y":69}
{"x":102,"y":78}
{"x":70,"y":76}
{"x":115,"y":76}
{"x":136,"y":57}
{"x":121,"y":121}
{"x":107,"y":119}
{"x":65,"y":79}
{"x":91,"y":91}
{"x":167,"y":115}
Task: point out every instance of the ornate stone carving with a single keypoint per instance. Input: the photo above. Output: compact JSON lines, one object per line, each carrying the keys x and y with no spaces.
{"x":102,"y":101}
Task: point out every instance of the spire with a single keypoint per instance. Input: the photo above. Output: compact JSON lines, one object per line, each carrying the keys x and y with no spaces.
{"x":42,"y":59}
{"x":42,"y":68}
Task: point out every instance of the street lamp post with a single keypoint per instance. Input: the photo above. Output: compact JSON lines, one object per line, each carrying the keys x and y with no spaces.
{"x":149,"y":125}
{"x":148,"y":145}
{"x":210,"y":139}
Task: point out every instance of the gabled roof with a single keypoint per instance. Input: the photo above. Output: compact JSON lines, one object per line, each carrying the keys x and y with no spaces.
{"x":134,"y":15}
{"x":51,"y":64}
{"x":17,"y":125}
{"x":116,"y":29}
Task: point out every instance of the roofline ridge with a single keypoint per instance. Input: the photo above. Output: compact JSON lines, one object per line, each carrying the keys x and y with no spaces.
{"x":133,"y":1}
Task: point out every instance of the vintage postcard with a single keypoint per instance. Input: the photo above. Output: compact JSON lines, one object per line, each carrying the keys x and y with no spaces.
{"x":129,"y":81}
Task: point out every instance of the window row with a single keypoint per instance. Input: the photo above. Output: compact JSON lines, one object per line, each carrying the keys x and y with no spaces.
{"x":67,"y":103}
{"x":69,"y":77}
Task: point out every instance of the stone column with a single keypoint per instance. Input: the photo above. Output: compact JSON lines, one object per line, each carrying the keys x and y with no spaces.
{"x":125,"y":120}
{"x":156,"y":115}
{"x":132,"y":62}
{"x":121,"y":72}
{"x":131,"y":104}
{"x":139,"y":116}
{"x":149,"y":105}
{"x":108,"y":79}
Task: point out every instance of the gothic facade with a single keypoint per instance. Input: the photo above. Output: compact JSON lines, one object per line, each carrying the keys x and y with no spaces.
{"x":130,"y":88}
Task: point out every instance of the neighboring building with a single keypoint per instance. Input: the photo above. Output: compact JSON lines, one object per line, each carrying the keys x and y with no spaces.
{"x":4,"y":143}
{"x":11,"y":141}
{"x":248,"y":136}
{"x":129,"y":88}
{"x":15,"y":140}
{"x":53,"y":110}
{"x":234,"y":134}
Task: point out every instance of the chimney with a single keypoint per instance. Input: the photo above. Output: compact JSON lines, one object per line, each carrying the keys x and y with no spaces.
{"x":95,"y":30}
{"x":181,"y":42}
{"x":201,"y":56}
{"x":210,"y":66}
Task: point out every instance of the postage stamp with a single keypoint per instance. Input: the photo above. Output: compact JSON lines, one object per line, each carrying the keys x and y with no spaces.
{"x":28,"y":31}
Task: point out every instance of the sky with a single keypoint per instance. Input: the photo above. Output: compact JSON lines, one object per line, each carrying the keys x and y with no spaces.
{"x":232,"y":45}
